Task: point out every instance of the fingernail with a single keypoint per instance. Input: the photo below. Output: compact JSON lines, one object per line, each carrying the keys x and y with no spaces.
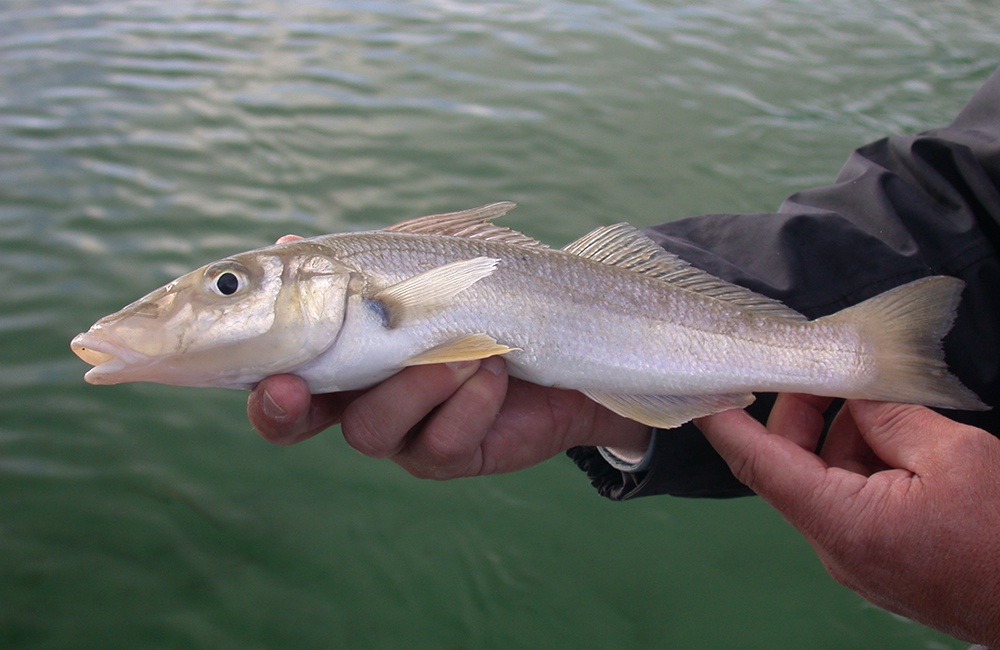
{"x":494,"y":365}
{"x":271,"y":408}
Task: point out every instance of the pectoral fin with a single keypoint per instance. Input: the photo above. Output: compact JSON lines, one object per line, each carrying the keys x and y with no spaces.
{"x":668,"y":411}
{"x":427,"y":293}
{"x":467,"y":348}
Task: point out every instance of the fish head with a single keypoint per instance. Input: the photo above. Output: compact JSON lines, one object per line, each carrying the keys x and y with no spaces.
{"x":229,"y":323}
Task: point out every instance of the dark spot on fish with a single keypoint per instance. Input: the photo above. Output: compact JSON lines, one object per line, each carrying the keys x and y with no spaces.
{"x":378,"y":308}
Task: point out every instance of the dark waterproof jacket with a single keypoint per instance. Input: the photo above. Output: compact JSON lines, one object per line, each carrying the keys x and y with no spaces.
{"x":901,"y":208}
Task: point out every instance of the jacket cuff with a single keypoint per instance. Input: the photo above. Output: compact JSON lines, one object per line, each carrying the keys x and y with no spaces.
{"x":680,"y":463}
{"x":609,"y":482}
{"x":630,"y":463}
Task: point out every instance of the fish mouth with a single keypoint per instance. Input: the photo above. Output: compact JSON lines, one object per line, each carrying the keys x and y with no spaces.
{"x":105,"y":356}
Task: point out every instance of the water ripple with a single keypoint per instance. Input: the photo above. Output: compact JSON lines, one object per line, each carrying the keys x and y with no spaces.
{"x":141,"y":139}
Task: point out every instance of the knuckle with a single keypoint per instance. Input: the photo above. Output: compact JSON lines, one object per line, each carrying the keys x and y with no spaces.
{"x":746,"y":468}
{"x":963,"y":446}
{"x":968,"y":442}
{"x":444,"y":457}
{"x":441,"y":451}
{"x":428,"y":472}
{"x":364,"y":430}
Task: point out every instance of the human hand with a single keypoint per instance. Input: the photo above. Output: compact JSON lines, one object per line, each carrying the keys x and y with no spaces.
{"x":446,"y":420}
{"x":902,"y":505}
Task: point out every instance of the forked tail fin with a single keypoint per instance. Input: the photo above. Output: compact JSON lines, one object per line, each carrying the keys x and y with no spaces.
{"x":905,"y":327}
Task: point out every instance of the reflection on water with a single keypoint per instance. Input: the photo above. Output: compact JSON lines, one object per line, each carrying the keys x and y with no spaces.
{"x":141,"y":139}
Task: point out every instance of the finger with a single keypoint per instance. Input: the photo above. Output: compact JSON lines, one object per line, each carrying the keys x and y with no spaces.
{"x":905,"y":436}
{"x":450,"y":443}
{"x":377,"y":422}
{"x":776,"y":468}
{"x":287,"y":238}
{"x":283,"y":411}
{"x":799,"y":418}
{"x":846,"y":448}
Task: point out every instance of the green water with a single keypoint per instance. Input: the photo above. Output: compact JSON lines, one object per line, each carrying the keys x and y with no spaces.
{"x":141,"y":139}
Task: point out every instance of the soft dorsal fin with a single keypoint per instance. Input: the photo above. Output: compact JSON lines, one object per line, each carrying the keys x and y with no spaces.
{"x":625,"y":246}
{"x":476,"y":223}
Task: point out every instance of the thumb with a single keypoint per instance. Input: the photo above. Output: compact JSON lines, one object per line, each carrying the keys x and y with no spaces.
{"x":901,"y":434}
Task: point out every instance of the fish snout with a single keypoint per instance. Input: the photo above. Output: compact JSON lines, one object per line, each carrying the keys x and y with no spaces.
{"x":108,"y":358}
{"x":87,"y":348}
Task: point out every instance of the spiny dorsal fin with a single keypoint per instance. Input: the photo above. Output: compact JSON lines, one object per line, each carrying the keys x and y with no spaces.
{"x":476,"y":223}
{"x":425,"y":294}
{"x":625,"y":246}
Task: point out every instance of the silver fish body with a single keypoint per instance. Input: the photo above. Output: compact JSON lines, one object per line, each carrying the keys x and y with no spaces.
{"x":612,"y":315}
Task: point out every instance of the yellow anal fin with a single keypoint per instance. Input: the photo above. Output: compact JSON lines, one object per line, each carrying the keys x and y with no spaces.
{"x":668,"y":411}
{"x":466,"y":348}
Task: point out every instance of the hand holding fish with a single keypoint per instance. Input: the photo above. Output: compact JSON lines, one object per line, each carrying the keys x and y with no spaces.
{"x":896,"y":503}
{"x":397,"y":334}
{"x":446,"y":420}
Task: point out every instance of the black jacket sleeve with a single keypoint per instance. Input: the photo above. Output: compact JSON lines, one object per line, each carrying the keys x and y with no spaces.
{"x":900,"y":209}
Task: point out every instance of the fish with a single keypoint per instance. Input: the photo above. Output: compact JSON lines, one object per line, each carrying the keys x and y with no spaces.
{"x":612,"y":315}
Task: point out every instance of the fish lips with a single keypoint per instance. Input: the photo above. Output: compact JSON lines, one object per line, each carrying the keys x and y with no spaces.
{"x":108,"y":358}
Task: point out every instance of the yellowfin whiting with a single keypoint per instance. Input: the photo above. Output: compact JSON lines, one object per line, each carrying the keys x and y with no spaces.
{"x":612,"y":315}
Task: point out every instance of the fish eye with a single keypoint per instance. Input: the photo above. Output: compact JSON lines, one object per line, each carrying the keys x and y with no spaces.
{"x":227,"y":283}
{"x":226,"y":279}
